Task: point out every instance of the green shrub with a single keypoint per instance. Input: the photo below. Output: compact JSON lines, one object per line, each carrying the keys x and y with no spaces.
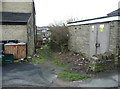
{"x":59,"y":38}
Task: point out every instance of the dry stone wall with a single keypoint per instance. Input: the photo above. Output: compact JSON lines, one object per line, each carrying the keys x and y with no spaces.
{"x":79,"y":39}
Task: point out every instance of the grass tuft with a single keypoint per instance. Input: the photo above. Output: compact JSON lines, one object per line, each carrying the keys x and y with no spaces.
{"x":60,"y":63}
{"x":66,"y":76}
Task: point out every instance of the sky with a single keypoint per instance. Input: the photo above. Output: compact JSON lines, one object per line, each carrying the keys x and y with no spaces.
{"x":54,"y":11}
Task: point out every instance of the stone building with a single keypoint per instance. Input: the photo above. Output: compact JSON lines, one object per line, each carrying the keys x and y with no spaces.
{"x":96,"y":36}
{"x":18,"y":22}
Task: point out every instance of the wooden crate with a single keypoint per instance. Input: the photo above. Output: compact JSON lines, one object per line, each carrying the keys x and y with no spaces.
{"x":11,"y":49}
{"x":18,"y":50}
{"x":21,"y":51}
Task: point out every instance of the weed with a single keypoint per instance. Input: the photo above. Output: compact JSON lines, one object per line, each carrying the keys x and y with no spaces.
{"x":44,"y":55}
{"x":37,"y":61}
{"x":71,"y":76}
{"x":60,"y":63}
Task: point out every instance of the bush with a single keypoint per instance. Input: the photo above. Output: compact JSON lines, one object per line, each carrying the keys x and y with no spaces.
{"x":59,"y":38}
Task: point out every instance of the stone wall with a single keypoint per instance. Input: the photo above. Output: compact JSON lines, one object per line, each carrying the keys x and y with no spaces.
{"x":114,"y":37}
{"x":102,"y":62}
{"x":31,"y":36}
{"x":14,"y":32}
{"x":79,"y":39}
{"x":17,"y":6}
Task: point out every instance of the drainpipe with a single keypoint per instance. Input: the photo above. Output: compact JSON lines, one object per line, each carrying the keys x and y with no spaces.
{"x":34,"y":24}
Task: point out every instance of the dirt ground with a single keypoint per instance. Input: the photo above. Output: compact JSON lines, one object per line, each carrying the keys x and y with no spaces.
{"x":77,"y":63}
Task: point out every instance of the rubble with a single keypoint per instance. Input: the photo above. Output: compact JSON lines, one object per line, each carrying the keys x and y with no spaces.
{"x":77,"y":62}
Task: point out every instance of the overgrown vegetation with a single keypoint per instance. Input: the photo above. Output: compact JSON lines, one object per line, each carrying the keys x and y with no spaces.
{"x":103,"y":62}
{"x":59,"y":38}
{"x":43,"y":55}
{"x":97,"y":68}
{"x":47,"y":55}
{"x":71,"y":76}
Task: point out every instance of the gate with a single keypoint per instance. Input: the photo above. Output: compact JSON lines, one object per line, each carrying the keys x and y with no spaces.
{"x":99,"y":39}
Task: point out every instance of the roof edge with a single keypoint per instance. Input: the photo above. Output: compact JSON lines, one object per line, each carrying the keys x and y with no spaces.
{"x":89,"y":19}
{"x":93,"y":21}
